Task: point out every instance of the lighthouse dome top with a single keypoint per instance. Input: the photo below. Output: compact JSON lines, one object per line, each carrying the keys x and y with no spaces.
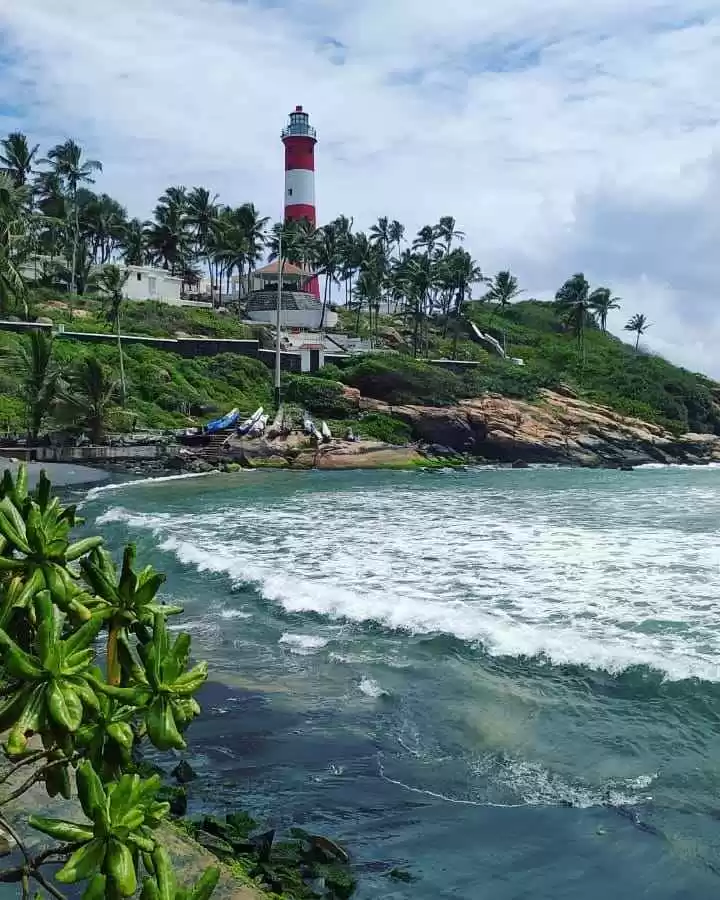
{"x":299,"y":125}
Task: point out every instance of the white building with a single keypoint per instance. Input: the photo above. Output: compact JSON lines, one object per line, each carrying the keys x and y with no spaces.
{"x":299,"y":308}
{"x":152,"y":283}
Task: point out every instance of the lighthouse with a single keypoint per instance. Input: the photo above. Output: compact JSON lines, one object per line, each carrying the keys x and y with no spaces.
{"x":299,"y":138}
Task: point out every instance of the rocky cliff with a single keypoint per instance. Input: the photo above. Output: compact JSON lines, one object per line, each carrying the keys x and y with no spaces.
{"x":553,"y":429}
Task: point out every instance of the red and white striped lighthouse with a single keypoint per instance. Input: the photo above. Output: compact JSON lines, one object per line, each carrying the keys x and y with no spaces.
{"x":299,"y":138}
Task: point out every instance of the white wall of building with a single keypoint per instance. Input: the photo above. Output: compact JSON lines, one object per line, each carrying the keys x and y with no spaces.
{"x":151,"y":283}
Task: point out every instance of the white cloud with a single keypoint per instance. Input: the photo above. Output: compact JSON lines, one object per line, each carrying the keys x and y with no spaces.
{"x":563,"y":136}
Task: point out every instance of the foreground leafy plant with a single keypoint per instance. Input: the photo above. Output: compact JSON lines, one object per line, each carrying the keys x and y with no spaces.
{"x":87,"y":717}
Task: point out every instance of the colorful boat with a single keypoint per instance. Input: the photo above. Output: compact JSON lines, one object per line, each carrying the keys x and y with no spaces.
{"x":223,"y":423}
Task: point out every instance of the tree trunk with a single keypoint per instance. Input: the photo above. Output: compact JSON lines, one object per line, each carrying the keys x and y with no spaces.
{"x":76,"y":238}
{"x":637,"y":341}
{"x":123,"y":392}
{"x":325,"y":300}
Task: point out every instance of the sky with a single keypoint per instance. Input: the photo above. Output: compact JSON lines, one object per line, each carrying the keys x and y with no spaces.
{"x":563,"y":136}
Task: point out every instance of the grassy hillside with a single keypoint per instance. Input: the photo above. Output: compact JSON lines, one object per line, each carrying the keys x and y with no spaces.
{"x":609,"y":372}
{"x":166,"y":391}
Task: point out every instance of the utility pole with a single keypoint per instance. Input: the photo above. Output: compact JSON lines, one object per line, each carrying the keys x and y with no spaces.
{"x":277,"y":318}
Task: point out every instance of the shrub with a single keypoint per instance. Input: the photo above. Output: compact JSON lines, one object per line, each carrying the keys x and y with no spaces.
{"x":385,"y":428}
{"x":89,"y":719}
{"x":319,"y":396}
{"x":399,"y":380}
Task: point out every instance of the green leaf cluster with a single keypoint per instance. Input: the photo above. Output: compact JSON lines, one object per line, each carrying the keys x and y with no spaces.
{"x":58,"y":598}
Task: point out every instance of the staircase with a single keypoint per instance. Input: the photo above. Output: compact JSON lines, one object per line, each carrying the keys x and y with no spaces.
{"x":213,"y":450}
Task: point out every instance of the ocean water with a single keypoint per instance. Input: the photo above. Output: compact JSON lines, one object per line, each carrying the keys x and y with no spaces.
{"x":506,"y":682}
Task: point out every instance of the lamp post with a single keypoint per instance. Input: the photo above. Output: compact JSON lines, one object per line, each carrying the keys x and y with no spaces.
{"x":277,"y":319}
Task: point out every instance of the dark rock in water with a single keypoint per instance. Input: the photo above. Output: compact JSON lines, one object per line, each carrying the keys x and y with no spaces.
{"x":440,"y":451}
{"x":176,"y":797}
{"x":214,"y":844}
{"x":263,"y":844}
{"x":626,"y":468}
{"x":183,"y":772}
{"x":401,"y":875}
{"x":324,"y":847}
{"x":520,"y":464}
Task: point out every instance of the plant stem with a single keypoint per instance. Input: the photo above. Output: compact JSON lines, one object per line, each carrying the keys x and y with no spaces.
{"x":113,"y":663}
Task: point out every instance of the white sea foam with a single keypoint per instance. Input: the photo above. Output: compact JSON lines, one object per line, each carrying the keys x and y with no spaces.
{"x":234,"y":614}
{"x":160,"y":479}
{"x":606,"y":572}
{"x":303,"y":644}
{"x":371,"y":688}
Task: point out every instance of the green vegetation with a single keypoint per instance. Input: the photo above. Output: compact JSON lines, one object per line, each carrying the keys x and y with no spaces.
{"x":56,"y":599}
{"x":164,"y":390}
{"x":607,"y":371}
{"x":63,"y":252}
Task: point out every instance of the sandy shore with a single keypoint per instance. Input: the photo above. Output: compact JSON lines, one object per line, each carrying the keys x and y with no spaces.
{"x":61,"y":474}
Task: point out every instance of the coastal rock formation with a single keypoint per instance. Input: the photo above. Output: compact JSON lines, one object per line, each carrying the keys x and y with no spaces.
{"x":556,"y":428}
{"x":295,"y":452}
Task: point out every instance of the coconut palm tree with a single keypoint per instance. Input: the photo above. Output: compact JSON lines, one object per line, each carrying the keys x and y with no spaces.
{"x":102,"y":221}
{"x":639,"y":324}
{"x":167,"y":238}
{"x":40,"y":379}
{"x":200,"y":215}
{"x":15,"y":242}
{"x":253,"y":227}
{"x":503,"y":289}
{"x":396,"y":232}
{"x":66,"y":161}
{"x":17,"y":157}
{"x":327,"y":262}
{"x":573,"y":301}
{"x":132,"y":243}
{"x":447,"y":232}
{"x":601,"y":301}
{"x":426,"y":239}
{"x":109,"y":283}
{"x":380,"y":233}
{"x":87,"y":397}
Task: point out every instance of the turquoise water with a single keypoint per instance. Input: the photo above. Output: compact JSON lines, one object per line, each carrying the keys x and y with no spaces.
{"x":505,"y":681}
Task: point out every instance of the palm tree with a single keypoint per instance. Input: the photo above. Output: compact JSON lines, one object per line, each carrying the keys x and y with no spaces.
{"x":327,"y":261}
{"x":396,"y":232}
{"x":639,"y":324}
{"x":446,"y":231}
{"x":15,"y":242}
{"x":503,"y":289}
{"x":109,"y":282}
{"x":380,"y":233}
{"x":457,"y":273}
{"x":166,"y":238}
{"x":88,"y":396}
{"x":40,"y":379}
{"x":103,"y":221}
{"x":200,"y":214}
{"x":601,"y":301}
{"x":573,"y":301}
{"x":132,"y":243}
{"x":426,"y":239}
{"x":66,"y":161}
{"x":253,"y":228}
{"x":17,"y":157}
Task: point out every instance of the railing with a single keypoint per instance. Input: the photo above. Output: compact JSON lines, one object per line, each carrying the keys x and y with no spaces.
{"x":300,"y":130}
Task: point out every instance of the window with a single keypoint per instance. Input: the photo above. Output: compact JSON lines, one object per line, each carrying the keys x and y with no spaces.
{"x":289,"y":192}
{"x":139,"y":276}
